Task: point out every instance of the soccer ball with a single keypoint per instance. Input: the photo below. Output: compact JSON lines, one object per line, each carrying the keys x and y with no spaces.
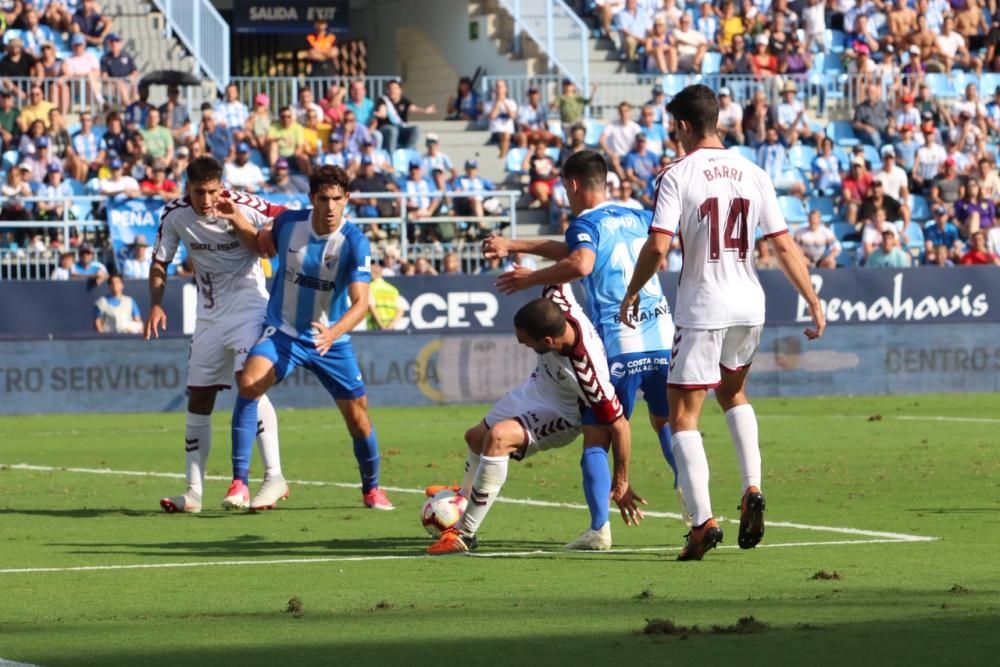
{"x":442,"y":512}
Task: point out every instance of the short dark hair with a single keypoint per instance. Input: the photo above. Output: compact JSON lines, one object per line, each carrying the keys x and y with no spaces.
{"x":698,"y":106}
{"x":206,"y":106}
{"x":326,"y":176}
{"x":203,"y":169}
{"x":588,"y":168}
{"x":540,"y":318}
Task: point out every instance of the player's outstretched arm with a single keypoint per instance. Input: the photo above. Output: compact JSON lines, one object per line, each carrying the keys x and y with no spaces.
{"x":326,"y":336}
{"x":500,"y":247}
{"x":157,"y":286}
{"x":576,"y":265}
{"x":621,"y":491}
{"x":649,"y":260}
{"x":793,"y":263}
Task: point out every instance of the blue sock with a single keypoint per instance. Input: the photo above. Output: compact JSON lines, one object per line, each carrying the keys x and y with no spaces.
{"x":668,"y":452}
{"x":244,"y":433}
{"x":596,"y":484}
{"x":366,"y":452}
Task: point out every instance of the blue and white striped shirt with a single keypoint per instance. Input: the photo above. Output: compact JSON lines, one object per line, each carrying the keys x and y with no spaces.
{"x":86,"y":146}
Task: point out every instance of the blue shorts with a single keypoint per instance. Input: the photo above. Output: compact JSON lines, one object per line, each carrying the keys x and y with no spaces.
{"x":639,"y":370}
{"x":337,"y":370}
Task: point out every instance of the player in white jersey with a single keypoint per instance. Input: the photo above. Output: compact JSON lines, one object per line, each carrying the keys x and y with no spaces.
{"x":546,"y":411}
{"x":715,"y":201}
{"x":232,"y":300}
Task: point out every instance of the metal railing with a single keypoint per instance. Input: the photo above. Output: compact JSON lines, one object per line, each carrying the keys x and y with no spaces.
{"x":77,"y":94}
{"x":284,"y":90}
{"x":558,"y":31}
{"x":820,"y":93}
{"x":203,"y":31}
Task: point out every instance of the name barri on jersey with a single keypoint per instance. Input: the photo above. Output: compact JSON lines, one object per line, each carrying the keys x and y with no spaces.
{"x":722,"y":172}
{"x":896,"y":307}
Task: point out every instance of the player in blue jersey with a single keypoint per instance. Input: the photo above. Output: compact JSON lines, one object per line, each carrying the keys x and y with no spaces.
{"x":319,"y":294}
{"x":601,"y":247}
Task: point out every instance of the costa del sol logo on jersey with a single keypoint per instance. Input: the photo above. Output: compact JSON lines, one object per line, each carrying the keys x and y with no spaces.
{"x":618,"y":369}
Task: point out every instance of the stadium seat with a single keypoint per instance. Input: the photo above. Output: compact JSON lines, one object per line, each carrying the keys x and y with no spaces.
{"x":802,"y":156}
{"x":915,"y":235}
{"x":793,"y":209}
{"x":836,"y":40}
{"x":988,"y":83}
{"x":920,"y":210}
{"x":941,"y":84}
{"x":675,"y":83}
{"x":872,"y":156}
{"x":842,"y":230}
{"x":746,"y":152}
{"x":594,"y":131}
{"x":80,"y":210}
{"x":711,"y":63}
{"x":402,"y":157}
{"x":9,"y":159}
{"x":10,"y":34}
{"x":515,"y":160}
{"x":825,"y":206}
{"x":385,"y":157}
{"x":842,"y":133}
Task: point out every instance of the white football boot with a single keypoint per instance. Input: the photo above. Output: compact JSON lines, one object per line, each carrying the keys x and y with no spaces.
{"x":271,"y":491}
{"x":189,"y":503}
{"x":593,"y":540}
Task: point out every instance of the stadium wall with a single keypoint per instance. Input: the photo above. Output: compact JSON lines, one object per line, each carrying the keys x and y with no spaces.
{"x":913,"y":331}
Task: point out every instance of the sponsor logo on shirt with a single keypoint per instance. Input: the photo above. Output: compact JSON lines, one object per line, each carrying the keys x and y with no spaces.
{"x":218,"y":247}
{"x":310,"y":282}
{"x":647,"y":315}
{"x":584,"y":238}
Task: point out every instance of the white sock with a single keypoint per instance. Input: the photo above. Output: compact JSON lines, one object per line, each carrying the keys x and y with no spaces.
{"x":490,"y":476}
{"x":197,"y":445}
{"x":471,"y":466}
{"x":267,"y":437}
{"x":692,"y":474}
{"x":742,"y":424}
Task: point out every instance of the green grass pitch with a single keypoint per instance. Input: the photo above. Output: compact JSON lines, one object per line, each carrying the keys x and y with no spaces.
{"x":364,"y":594}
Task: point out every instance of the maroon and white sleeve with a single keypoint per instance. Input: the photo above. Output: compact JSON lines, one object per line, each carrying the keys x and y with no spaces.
{"x":260,"y":210}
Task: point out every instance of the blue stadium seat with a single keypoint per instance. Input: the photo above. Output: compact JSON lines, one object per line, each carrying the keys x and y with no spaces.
{"x":594,"y":131}
{"x":836,"y":40}
{"x":711,"y":63}
{"x":515,"y":159}
{"x":746,"y":152}
{"x":402,"y":157}
{"x":81,"y":210}
{"x":988,"y":83}
{"x":920,"y":210}
{"x":825,"y":206}
{"x":842,"y":133}
{"x":833,"y":64}
{"x":675,"y":83}
{"x":872,"y":156}
{"x":10,"y":34}
{"x":385,"y":157}
{"x":842,"y":230}
{"x":793,"y":209}
{"x":915,"y":235}
{"x":9,"y":159}
{"x":802,"y":156}
{"x":257,"y":158}
{"x":941,"y":84}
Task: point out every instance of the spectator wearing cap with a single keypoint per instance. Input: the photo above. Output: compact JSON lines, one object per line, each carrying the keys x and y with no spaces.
{"x":941,"y":232}
{"x":818,"y":242}
{"x":8,"y":120}
{"x":501,"y":111}
{"x":159,"y":141}
{"x":333,"y":104}
{"x":337,"y":155}
{"x":231,"y":113}
{"x":117,"y":313}
{"x":631,"y":25}
{"x":55,"y":193}
{"x":379,"y":158}
{"x":286,"y":140}
{"x":158,"y":185}
{"x":41,"y":159}
{"x":979,"y":254}
{"x":393,"y":113}
{"x":533,"y":120}
{"x":855,"y":188}
{"x":661,"y":56}
{"x":283,"y":182}
{"x":871,"y":117}
{"x":89,"y":268}
{"x":323,"y":51}
{"x":118,"y":183}
{"x":369,"y":180}
{"x":37,"y":109}
{"x":690,"y":44}
{"x":952,"y":49}
{"x":618,"y":137}
{"x":946,"y":188}
{"x":964,"y":163}
{"x":542,"y":173}
{"x":89,"y":22}
{"x":137,"y":265}
{"x":17,"y":64}
{"x":83,"y":67}
{"x":908,"y":114}
{"x":137,"y":112}
{"x":259,"y":123}
{"x":791,"y":116}
{"x":569,"y":104}
{"x":418,"y":199}
{"x":466,"y":104}
{"x":360,"y":104}
{"x":974,"y":211}
{"x":640,"y":164}
{"x":893,"y":177}
{"x":826,"y":169}
{"x":119,"y":66}
{"x":435,"y":159}
{"x":356,"y":135}
{"x":471,"y":181}
{"x":730,"y":126}
{"x":65,"y":268}
{"x":888,"y":254}
{"x":658,"y":100}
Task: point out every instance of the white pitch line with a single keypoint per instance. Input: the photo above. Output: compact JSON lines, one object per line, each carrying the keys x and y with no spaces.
{"x":358,"y":559}
{"x":935,"y":418}
{"x":11,"y":663}
{"x":878,"y":534}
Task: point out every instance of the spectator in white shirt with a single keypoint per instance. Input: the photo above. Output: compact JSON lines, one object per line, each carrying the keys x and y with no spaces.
{"x":418,"y":200}
{"x":691,"y":46}
{"x":792,"y":116}
{"x":501,"y":111}
{"x":232,"y":113}
{"x":305,"y":103}
{"x":818,"y":242}
{"x":619,"y":137}
{"x":65,"y":269}
{"x":730,"y":119}
{"x":952,"y":49}
{"x":435,"y":159}
{"x":118,"y":183}
{"x":242,"y":174}
{"x":137,"y":266}
{"x":632,"y":25}
{"x":893,"y":178}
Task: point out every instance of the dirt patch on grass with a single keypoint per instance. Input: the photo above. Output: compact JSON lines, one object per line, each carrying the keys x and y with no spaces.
{"x":959,"y":589}
{"x":823,"y":575}
{"x":295,"y":607}
{"x":747,"y":625}
{"x":875,"y":418}
{"x":382,"y":605}
{"x":664,"y":626}
{"x":645,"y":595}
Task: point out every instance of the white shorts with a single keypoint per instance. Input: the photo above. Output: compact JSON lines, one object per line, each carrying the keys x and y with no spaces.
{"x":701,"y":355}
{"x":547,"y":423}
{"x":218,"y":351}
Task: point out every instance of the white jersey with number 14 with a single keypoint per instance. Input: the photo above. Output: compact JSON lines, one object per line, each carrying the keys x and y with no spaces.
{"x":715,"y":200}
